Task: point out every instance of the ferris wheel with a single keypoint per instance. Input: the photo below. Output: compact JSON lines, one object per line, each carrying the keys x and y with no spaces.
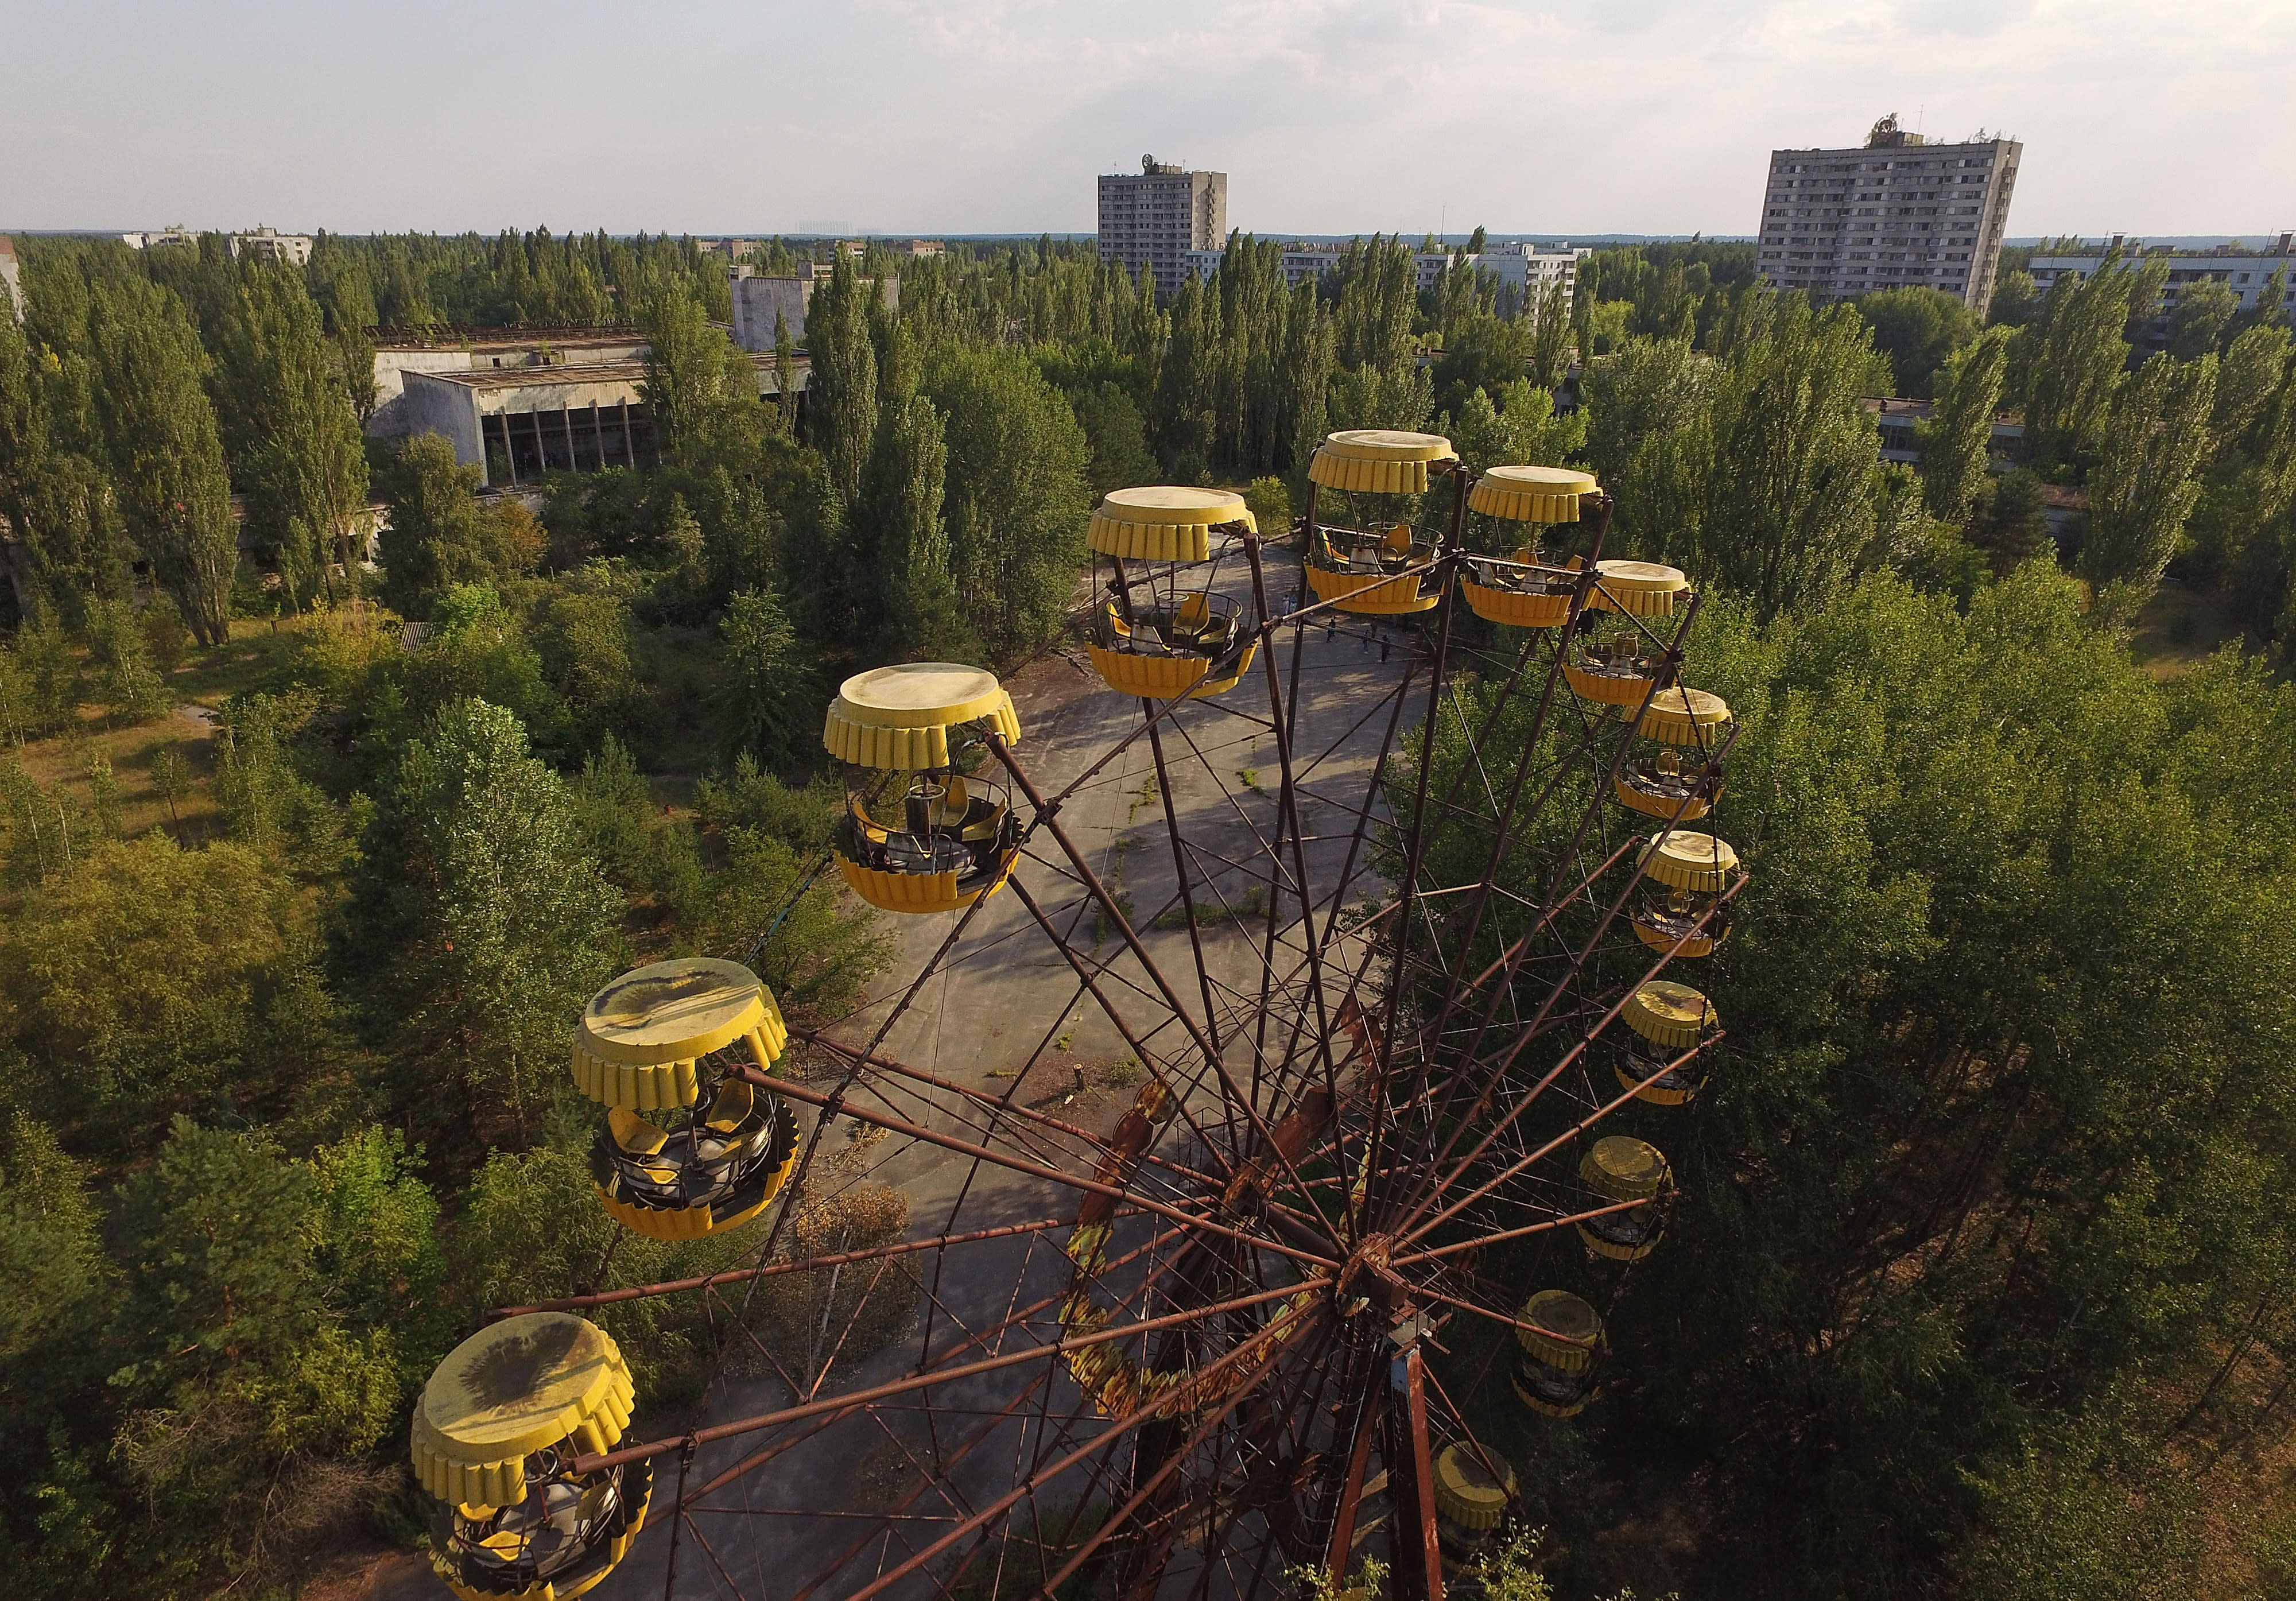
{"x":1382,"y":879}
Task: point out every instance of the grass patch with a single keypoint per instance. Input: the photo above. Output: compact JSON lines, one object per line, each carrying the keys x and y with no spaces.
{"x":1253,"y":903}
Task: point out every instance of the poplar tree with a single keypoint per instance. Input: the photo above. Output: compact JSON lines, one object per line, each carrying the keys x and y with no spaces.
{"x":1651,"y":442}
{"x":293,"y":434}
{"x":2080,"y":354}
{"x":1795,"y":457}
{"x":842,"y":387}
{"x":1017,"y":495}
{"x":55,"y":496}
{"x":2146,"y":482}
{"x":1956,"y":440}
{"x":166,"y":453}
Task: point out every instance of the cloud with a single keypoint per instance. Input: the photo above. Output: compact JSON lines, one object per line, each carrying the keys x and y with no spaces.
{"x":994,"y":115}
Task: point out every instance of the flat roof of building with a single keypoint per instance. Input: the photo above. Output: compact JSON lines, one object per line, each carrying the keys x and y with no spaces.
{"x":442,"y":336}
{"x":561,"y":377}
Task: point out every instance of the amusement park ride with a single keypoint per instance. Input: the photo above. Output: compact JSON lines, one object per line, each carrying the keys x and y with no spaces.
{"x":1365,"y":1213}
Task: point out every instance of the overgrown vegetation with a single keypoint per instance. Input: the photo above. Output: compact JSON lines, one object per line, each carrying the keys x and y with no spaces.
{"x":1977,"y":1285}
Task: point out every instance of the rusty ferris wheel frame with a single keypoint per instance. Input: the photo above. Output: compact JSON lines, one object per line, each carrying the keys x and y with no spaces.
{"x":1315,"y":1181}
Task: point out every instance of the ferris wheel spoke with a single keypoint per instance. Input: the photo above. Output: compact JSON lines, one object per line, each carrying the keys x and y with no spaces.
{"x":1406,"y":1232}
{"x":1248,"y":1357}
{"x":1236,"y":1099}
{"x":1090,"y":980}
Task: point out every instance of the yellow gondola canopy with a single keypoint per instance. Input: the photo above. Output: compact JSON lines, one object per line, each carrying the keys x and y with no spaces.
{"x":1378,"y":461}
{"x":1643,"y":589}
{"x":1623,"y":1169}
{"x":1668,"y":1014}
{"x":1532,"y":494}
{"x":897,"y":718}
{"x":1558,"y":1329}
{"x":1699,"y":863}
{"x":1468,"y":1491}
{"x":1164,"y":522}
{"x":510,"y":1390}
{"x":641,"y":1036}
{"x":1683,"y":717}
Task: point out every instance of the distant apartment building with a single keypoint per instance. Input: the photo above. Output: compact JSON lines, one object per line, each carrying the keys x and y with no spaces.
{"x":2247,"y":272}
{"x":177,"y":238}
{"x":1898,"y":212}
{"x":1155,"y":218}
{"x":758,"y":299}
{"x":11,"y":276}
{"x":269,"y":245}
{"x":1523,"y":267}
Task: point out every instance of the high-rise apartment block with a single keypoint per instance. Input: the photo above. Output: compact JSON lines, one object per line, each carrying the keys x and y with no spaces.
{"x":1156,"y":217}
{"x":1897,"y":212}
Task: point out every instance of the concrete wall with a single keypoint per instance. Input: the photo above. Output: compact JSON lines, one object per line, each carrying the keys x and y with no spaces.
{"x":391,"y":418}
{"x":757,"y":299}
{"x":429,"y":404}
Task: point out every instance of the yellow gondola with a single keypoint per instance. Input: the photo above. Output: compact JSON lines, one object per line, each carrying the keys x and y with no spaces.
{"x":1170,"y":641}
{"x":664,"y":1039}
{"x":494,"y":1442}
{"x":1616,"y":1168}
{"x":1664,"y":1020}
{"x":1616,"y":660}
{"x":1524,"y":590}
{"x":1679,"y":776}
{"x":907,"y":730}
{"x":1363,"y":564}
{"x":1562,"y":1345}
{"x":1472,"y":1488}
{"x":1691,"y":870}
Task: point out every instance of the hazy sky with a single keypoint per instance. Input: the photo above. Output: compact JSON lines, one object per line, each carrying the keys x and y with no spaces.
{"x":980,"y":116}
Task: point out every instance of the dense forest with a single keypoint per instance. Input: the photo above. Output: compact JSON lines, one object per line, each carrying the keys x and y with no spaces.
{"x":1981,"y":1285}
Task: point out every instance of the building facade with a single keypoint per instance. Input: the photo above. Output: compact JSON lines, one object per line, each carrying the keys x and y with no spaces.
{"x":1899,"y":211}
{"x":2248,"y":273}
{"x":758,"y":299}
{"x":1529,"y":271}
{"x":269,"y":245}
{"x":177,"y":238}
{"x":11,"y":276}
{"x":1154,"y":218}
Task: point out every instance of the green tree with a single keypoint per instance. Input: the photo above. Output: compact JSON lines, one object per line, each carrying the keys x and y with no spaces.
{"x":293,"y":433}
{"x":2008,"y":520}
{"x":53,"y":489}
{"x":1118,"y":434}
{"x":766,"y":695}
{"x":51,"y":1246}
{"x":2078,"y":353}
{"x":1795,"y":457}
{"x":1917,"y":328}
{"x":498,"y":923}
{"x":2016,"y":299}
{"x":2148,"y":478}
{"x":842,"y":384}
{"x":1650,"y":443}
{"x":1957,"y":440}
{"x":167,"y":455}
{"x":1521,"y":427}
{"x":159,"y":975}
{"x":2203,"y":311}
{"x":434,"y":535}
{"x":700,"y":387}
{"x":1017,"y":495}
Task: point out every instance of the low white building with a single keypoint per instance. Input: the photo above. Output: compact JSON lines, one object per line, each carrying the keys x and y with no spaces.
{"x":1524,"y":267}
{"x":2247,"y":273}
{"x":758,"y":299}
{"x":177,"y":238}
{"x":11,"y":275}
{"x":269,"y":245}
